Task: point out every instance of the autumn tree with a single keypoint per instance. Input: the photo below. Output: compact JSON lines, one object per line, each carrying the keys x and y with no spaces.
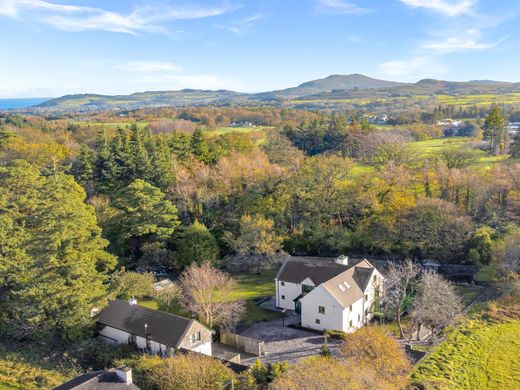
{"x":456,"y":157}
{"x":436,"y":228}
{"x":257,"y":238}
{"x":208,"y":292}
{"x":371,"y":347}
{"x":515,"y":146}
{"x":324,"y":373}
{"x":436,"y":304}
{"x":190,"y":372}
{"x":400,"y":279}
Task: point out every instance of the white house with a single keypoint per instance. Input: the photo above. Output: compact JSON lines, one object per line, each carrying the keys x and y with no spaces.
{"x":329,"y":293}
{"x":152,"y":330}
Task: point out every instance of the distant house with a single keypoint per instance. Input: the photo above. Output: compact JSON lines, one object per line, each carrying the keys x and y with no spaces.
{"x":329,"y":293}
{"x":113,"y":379}
{"x":152,"y":330}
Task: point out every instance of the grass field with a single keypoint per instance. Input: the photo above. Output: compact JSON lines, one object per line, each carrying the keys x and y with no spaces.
{"x":477,"y":355}
{"x":111,"y":125}
{"x":428,"y":149}
{"x":249,"y":288}
{"x":224,"y":130}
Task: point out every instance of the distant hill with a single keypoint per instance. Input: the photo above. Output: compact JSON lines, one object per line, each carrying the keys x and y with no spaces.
{"x":334,"y":87}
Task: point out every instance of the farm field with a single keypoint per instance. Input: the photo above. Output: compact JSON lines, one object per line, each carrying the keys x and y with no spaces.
{"x":479,"y":99}
{"x":224,"y":130}
{"x":477,"y":355}
{"x":111,"y":125}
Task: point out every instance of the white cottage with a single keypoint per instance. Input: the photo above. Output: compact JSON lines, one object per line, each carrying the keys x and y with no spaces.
{"x":330,"y":294}
{"x":152,"y":330}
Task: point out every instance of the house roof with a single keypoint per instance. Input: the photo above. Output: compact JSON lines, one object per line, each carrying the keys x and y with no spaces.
{"x":349,"y":286}
{"x":163,"y":328}
{"x":97,"y":380}
{"x":318,"y":269}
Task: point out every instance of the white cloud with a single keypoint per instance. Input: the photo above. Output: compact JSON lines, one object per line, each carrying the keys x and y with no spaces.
{"x":446,"y":7}
{"x":466,"y":40}
{"x":148,"y":66}
{"x":412,"y":68}
{"x":241,"y":26}
{"x":339,"y":7}
{"x":355,"y":39}
{"x":81,"y":18}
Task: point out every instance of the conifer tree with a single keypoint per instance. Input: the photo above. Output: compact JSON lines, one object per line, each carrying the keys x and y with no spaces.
{"x":515,"y":146}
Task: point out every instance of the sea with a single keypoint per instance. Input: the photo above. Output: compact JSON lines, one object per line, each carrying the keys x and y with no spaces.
{"x":7,"y":104}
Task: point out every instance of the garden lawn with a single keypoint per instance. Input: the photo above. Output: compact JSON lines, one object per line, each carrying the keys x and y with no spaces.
{"x":476,"y":355}
{"x":250,"y":287}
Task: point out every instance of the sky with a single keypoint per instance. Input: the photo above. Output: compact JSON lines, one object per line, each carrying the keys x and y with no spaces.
{"x":50,"y":48}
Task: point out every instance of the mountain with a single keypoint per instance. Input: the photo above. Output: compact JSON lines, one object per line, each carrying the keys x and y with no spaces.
{"x":329,"y":84}
{"x":329,"y":89}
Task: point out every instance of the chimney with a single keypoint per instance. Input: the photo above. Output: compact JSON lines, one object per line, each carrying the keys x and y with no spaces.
{"x":342,"y":260}
{"x":132,"y":301}
{"x":124,"y":374}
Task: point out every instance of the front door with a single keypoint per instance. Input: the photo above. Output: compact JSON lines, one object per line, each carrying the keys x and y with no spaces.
{"x":298,"y":307}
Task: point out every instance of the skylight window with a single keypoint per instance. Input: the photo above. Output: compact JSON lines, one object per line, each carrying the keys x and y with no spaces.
{"x":346,"y":284}
{"x":341,"y":287}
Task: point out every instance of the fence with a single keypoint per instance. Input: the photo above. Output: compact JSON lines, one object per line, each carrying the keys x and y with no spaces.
{"x":243,"y":343}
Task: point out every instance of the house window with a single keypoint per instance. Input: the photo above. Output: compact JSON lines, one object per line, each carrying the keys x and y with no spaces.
{"x":307,"y":289}
{"x":374,"y":278}
{"x":196,"y":337}
{"x":283,"y":296}
{"x":350,"y":308}
{"x":282,"y":283}
{"x":321,"y":309}
{"x":366,"y":297}
{"x":317,"y":320}
{"x":359,"y":317}
{"x":350,"y":324}
{"x":132,"y":340}
{"x":366,"y":312}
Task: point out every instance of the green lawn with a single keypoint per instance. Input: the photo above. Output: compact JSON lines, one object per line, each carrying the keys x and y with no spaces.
{"x":477,"y":355}
{"x":249,"y":287}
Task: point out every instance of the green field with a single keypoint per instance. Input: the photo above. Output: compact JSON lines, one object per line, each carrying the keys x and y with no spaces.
{"x":111,"y":125}
{"x":478,"y":355}
{"x":428,"y":149}
{"x":484,"y":99}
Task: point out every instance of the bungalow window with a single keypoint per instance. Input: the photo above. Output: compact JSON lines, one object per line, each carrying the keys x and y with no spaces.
{"x":283,"y":296}
{"x":321,"y":309}
{"x":318,"y":321}
{"x":350,"y":308}
{"x":282,"y":283}
{"x":196,"y":337}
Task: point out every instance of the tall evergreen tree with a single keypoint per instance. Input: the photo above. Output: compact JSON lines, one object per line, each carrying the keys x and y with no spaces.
{"x":199,"y":146}
{"x":53,"y":264}
{"x":495,"y":131}
{"x":515,"y":146}
{"x":196,"y":245}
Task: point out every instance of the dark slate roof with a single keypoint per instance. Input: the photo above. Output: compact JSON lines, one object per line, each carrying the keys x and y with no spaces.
{"x":318,"y":269}
{"x":97,"y":380}
{"x":163,"y":328}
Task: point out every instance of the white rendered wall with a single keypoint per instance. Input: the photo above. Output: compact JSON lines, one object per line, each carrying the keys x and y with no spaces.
{"x":290,"y":291}
{"x":331,"y":319}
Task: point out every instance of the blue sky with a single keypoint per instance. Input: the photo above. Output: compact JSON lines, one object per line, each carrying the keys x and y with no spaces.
{"x":55,"y":47}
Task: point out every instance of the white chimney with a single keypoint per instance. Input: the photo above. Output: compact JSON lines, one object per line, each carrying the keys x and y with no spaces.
{"x":132,"y":301}
{"x":124,"y":374}
{"x":342,"y":260}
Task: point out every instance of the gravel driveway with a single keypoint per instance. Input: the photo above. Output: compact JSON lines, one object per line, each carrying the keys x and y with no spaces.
{"x":284,"y":343}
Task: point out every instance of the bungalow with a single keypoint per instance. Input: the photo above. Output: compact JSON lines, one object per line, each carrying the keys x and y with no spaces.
{"x":112,"y":379}
{"x":152,"y":330}
{"x":329,"y":294}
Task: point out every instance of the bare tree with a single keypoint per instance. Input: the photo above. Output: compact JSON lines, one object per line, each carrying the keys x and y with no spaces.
{"x":399,"y":280}
{"x":207,"y":292}
{"x":436,"y":305}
